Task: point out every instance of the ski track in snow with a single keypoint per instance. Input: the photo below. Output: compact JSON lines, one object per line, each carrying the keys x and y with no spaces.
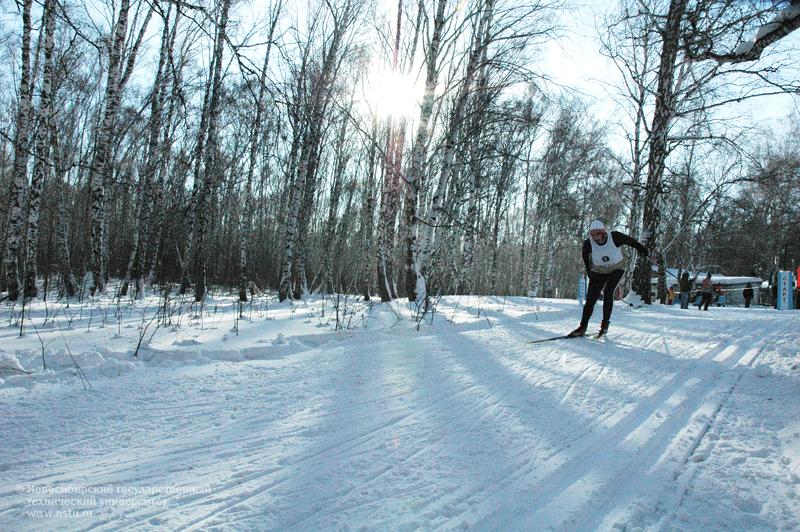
{"x":459,"y":425}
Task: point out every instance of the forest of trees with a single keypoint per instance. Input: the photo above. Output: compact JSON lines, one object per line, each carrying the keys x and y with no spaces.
{"x":218,"y":142}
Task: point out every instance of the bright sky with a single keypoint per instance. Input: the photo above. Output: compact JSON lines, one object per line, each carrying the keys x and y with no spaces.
{"x":574,"y":61}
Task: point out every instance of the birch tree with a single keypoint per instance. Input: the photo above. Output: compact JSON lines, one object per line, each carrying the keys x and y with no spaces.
{"x":365,"y":235}
{"x":42,"y":150}
{"x":480,"y":106}
{"x":434,"y":214}
{"x":629,"y":44}
{"x":256,"y":128}
{"x":500,"y":32}
{"x":689,"y":68}
{"x":341,"y":161}
{"x":210,"y":168}
{"x":663,"y":114}
{"x":141,"y":236}
{"x":303,"y":187}
{"x":16,"y":213}
{"x":176,"y":68}
{"x":419,"y":149}
{"x":116,"y":78}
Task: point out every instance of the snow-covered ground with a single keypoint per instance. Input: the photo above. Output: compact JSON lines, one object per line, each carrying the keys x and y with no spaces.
{"x":681,"y":420}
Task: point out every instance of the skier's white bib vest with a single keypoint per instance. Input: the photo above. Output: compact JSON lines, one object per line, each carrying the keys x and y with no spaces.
{"x":607,"y":257}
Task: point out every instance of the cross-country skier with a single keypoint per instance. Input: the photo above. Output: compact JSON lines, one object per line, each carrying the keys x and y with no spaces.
{"x":605,"y":265}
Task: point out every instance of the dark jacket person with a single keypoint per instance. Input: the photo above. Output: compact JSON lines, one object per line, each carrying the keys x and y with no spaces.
{"x":685,"y":285}
{"x":605,"y":265}
{"x":748,"y":295}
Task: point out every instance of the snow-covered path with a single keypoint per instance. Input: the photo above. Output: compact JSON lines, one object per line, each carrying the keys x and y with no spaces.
{"x":682,"y":420}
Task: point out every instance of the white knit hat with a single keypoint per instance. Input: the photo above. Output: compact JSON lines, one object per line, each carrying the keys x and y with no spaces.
{"x":597,"y":225}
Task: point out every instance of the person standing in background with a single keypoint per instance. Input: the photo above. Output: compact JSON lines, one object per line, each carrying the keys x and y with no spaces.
{"x":722,"y":296}
{"x":706,"y":289}
{"x":747,"y":294}
{"x":685,"y":287}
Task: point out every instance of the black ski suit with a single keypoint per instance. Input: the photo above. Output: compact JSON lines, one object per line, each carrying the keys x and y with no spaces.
{"x":605,"y":282}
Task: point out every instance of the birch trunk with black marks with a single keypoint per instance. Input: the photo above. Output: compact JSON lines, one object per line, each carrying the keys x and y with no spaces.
{"x":475,"y":185}
{"x":636,"y":179}
{"x":125,"y":74}
{"x":41,"y":163}
{"x":387,"y":220}
{"x":292,"y":188}
{"x":326,"y":283}
{"x":198,"y":154}
{"x":661,"y":284}
{"x":366,"y":278}
{"x":103,"y":149}
{"x":419,"y":150}
{"x":455,"y":125}
{"x":69,"y":284}
{"x":637,"y":153}
{"x":210,"y":170}
{"x":303,"y":186}
{"x":141,"y":235}
{"x":19,"y":178}
{"x":308,"y":166}
{"x":246,"y":217}
{"x":175,"y":72}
